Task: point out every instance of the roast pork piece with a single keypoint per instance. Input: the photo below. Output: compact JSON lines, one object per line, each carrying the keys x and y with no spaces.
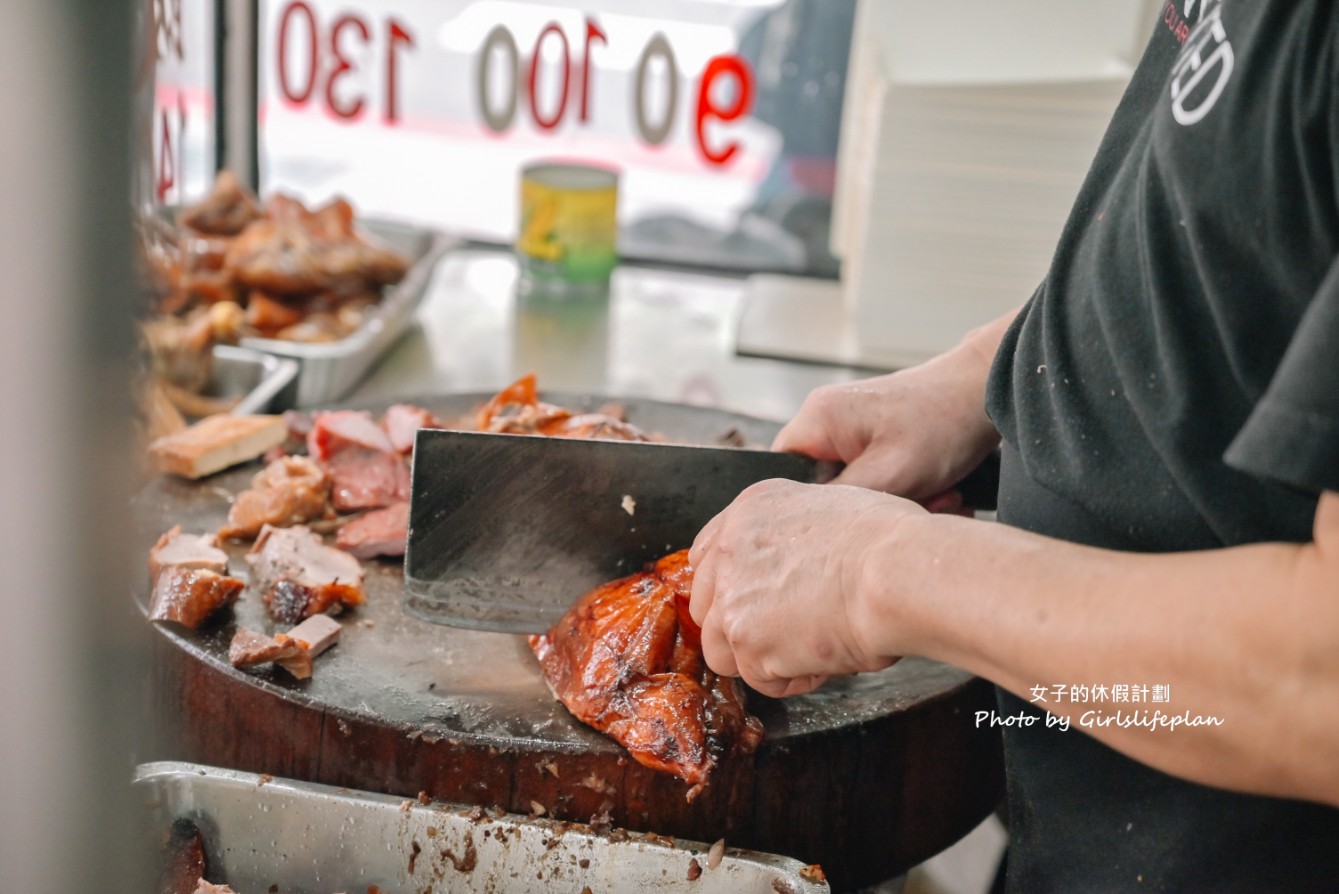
{"x":189,"y":576}
{"x":190,"y":595}
{"x":627,"y":659}
{"x":381,"y":532}
{"x":175,"y":549}
{"x":366,"y":470}
{"x":300,"y":576}
{"x":250,"y":648}
{"x":290,"y":490}
{"x":402,"y":422}
{"x":293,"y":651}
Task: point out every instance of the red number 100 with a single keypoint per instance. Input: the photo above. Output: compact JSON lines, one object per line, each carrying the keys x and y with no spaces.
{"x":498,"y":116}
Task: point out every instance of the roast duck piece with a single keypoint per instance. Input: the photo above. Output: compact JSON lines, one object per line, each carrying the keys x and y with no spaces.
{"x":517,"y":410}
{"x":190,"y":579}
{"x":232,"y":267}
{"x":627,"y":659}
{"x":299,"y":576}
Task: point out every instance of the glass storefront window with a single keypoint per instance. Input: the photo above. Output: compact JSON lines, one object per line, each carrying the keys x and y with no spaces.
{"x":721,"y":115}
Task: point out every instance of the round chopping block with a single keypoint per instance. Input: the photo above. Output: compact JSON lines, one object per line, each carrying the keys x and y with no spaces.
{"x":867,"y":776}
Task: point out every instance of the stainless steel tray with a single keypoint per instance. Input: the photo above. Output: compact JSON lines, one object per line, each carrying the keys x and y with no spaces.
{"x":262,"y":834}
{"x":329,"y":370}
{"x":265,"y":382}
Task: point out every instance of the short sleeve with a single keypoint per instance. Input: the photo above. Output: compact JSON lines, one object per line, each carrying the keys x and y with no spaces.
{"x":1292,"y":435}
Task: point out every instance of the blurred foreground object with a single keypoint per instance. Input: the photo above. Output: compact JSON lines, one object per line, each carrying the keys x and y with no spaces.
{"x":71,"y":651}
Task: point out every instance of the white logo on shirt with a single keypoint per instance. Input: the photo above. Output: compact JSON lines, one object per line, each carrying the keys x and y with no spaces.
{"x":1204,"y":65}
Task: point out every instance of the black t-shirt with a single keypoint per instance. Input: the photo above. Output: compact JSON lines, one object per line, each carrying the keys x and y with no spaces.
{"x":1173,"y":384}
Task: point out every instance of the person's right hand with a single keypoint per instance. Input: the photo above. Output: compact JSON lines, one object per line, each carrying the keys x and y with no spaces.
{"x":914,"y":433}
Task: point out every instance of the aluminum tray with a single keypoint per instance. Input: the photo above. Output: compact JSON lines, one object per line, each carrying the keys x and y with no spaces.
{"x":262,"y":834}
{"x":264,"y":382}
{"x":329,"y":370}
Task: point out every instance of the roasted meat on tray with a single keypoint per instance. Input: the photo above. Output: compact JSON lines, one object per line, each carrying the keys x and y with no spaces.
{"x":284,"y":270}
{"x":627,"y":659}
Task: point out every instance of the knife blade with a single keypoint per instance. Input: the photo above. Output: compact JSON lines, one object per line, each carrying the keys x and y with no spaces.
{"x":506,"y":531}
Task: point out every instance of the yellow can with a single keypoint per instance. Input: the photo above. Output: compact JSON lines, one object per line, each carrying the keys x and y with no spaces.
{"x":568,"y":236}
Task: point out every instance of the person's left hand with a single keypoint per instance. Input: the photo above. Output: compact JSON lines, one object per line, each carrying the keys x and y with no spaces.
{"x":778,"y":579}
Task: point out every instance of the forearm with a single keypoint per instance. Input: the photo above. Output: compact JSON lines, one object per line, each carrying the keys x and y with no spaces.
{"x":974,"y":355}
{"x":1244,"y":635}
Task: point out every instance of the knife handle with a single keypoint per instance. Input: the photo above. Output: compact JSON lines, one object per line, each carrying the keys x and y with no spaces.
{"x":981,"y":488}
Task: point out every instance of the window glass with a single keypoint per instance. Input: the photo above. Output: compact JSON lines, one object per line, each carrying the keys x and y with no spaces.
{"x":722,"y":117}
{"x":174,"y":133}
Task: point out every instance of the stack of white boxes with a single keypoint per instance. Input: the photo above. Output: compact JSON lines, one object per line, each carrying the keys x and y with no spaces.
{"x":967,"y":130}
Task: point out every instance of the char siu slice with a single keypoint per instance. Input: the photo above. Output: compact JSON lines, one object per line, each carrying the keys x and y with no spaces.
{"x":381,"y":532}
{"x":366,"y":470}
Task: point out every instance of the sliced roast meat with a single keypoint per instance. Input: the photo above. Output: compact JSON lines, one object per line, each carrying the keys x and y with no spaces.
{"x":366,"y":470}
{"x":334,"y":430}
{"x":293,"y":651}
{"x":381,"y":532}
{"x":177,"y":550}
{"x":300,"y":576}
{"x":249,"y":648}
{"x":367,"y":479}
{"x":402,"y":422}
{"x":316,"y":634}
{"x":290,"y":490}
{"x":188,"y":596}
{"x":517,"y":410}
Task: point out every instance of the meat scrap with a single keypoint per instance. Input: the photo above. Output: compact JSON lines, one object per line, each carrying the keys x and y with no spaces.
{"x":365,"y":468}
{"x":381,"y":532}
{"x":317,"y":633}
{"x":300,"y":576}
{"x":188,"y":596}
{"x":627,"y":659}
{"x":293,"y":651}
{"x":290,"y":490}
{"x":195,"y":551}
{"x":518,"y":410}
{"x":249,"y":648}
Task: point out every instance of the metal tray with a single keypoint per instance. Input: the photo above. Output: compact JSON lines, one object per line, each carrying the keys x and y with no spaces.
{"x":329,"y":370}
{"x":265,"y":382}
{"x":264,"y":834}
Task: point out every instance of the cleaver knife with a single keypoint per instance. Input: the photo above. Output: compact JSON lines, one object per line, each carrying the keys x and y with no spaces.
{"x":506,"y":531}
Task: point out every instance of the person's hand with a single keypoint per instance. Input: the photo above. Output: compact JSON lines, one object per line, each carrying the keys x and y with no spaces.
{"x":777,"y":582}
{"x":914,"y":433}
